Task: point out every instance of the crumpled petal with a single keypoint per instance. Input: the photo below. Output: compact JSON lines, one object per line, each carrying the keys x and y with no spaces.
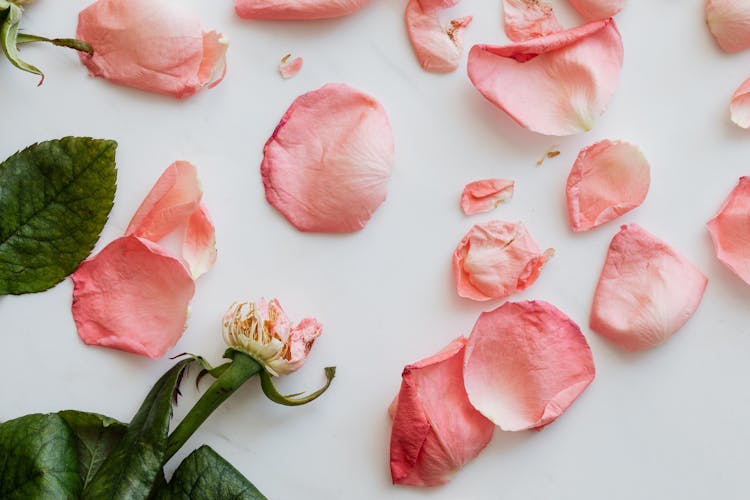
{"x":526,"y":19}
{"x":296,"y":10}
{"x":153,"y":46}
{"x":485,"y":195}
{"x":290,"y":67}
{"x":739,"y":107}
{"x":132,"y":296}
{"x":497,"y":259}
{"x":608,"y":179}
{"x":326,"y":166}
{"x":646,"y":291}
{"x":525,"y":364}
{"x":199,"y":242}
{"x":555,"y":85}
{"x":593,"y":10}
{"x":437,"y":48}
{"x":730,"y":230}
{"x":729,"y":23}
{"x":435,"y":429}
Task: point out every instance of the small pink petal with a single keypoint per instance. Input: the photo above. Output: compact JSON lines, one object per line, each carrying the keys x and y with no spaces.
{"x":301,"y":340}
{"x":437,"y":48}
{"x":435,"y":429}
{"x":199,"y":242}
{"x":729,"y":23}
{"x":555,"y":85}
{"x":296,"y":10}
{"x":740,"y":105}
{"x":526,"y":19}
{"x":213,"y":66}
{"x":495,"y":260}
{"x":525,"y":364}
{"x":594,"y":10}
{"x":646,"y":291}
{"x":730,"y":230}
{"x":132,"y":296}
{"x":485,"y":195}
{"x":326,"y":166}
{"x":608,"y":179}
{"x":290,"y":67}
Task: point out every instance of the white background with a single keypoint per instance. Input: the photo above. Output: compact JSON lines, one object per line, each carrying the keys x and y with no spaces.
{"x":669,"y":423}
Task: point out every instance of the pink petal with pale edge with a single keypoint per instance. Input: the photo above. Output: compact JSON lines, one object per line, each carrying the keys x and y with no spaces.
{"x":296,"y":10}
{"x":326,"y":166}
{"x":437,"y":48}
{"x":153,"y":46}
{"x":730,"y":230}
{"x":199,"y":242}
{"x":594,"y":10}
{"x":132,"y":296}
{"x":555,"y":85}
{"x":526,"y":19}
{"x":729,"y":23}
{"x":525,"y":364}
{"x":740,"y":106}
{"x":485,"y":195}
{"x":290,"y":67}
{"x":495,"y":260}
{"x":435,"y":429}
{"x":646,"y":291}
{"x":608,"y":179}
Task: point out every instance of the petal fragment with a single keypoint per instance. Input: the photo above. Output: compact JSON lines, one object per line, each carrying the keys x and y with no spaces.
{"x":593,"y":10}
{"x":437,"y":48}
{"x":326,"y":166}
{"x":199,"y":242}
{"x":526,"y":19}
{"x":497,"y":259}
{"x":740,"y":106}
{"x":435,"y":428}
{"x":729,"y":23}
{"x":290,"y":67}
{"x":608,"y":179}
{"x":296,"y":10}
{"x":525,"y":364}
{"x":730,"y":230}
{"x":646,"y":291}
{"x":555,"y":85}
{"x":485,"y":195}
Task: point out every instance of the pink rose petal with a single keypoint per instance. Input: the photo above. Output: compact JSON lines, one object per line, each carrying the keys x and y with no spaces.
{"x":646,"y":291}
{"x":526,"y":19}
{"x":608,"y":179}
{"x":153,"y":46}
{"x":132,"y":296}
{"x":437,"y":48}
{"x":199,"y":242}
{"x":740,"y":106}
{"x":327,"y":164}
{"x":296,"y":10}
{"x":435,"y":429}
{"x":729,"y":23}
{"x":555,"y":85}
{"x":485,"y":195}
{"x":594,"y":10}
{"x":290,"y":67}
{"x":730,"y":230}
{"x":497,"y":259}
{"x":525,"y":364}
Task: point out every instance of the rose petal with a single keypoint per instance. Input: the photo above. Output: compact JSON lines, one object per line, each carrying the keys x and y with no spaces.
{"x":153,"y":46}
{"x":495,"y":260}
{"x":485,"y":195}
{"x":290,"y":67}
{"x":437,"y":48}
{"x":646,"y":291}
{"x":555,"y":85}
{"x":593,"y":10}
{"x":608,"y":179}
{"x":730,"y":230}
{"x":525,"y":364}
{"x":199,"y":242}
{"x":526,"y":19}
{"x":296,"y":10}
{"x":132,"y":296}
{"x":740,"y":105}
{"x":729,"y":23}
{"x":435,"y":428}
{"x":327,"y":164}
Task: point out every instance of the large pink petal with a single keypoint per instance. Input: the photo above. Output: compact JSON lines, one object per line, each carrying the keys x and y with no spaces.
{"x":296,"y":10}
{"x":730,"y":230}
{"x":525,"y":19}
{"x":646,"y":291}
{"x":525,"y":364}
{"x":497,"y":259}
{"x":608,"y":179}
{"x":326,"y":166}
{"x":739,"y":107}
{"x":199,"y":242}
{"x":729,"y":22}
{"x":132,"y":296}
{"x":437,"y":48}
{"x":555,"y":85}
{"x":485,"y":195}
{"x":594,"y":10}
{"x":435,"y":428}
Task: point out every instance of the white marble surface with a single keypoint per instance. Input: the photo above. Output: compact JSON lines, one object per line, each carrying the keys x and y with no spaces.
{"x":670,"y":423}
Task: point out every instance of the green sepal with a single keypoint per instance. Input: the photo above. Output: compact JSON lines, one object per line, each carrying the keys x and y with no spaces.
{"x":71,"y":43}
{"x":9,"y":35}
{"x":273,"y":394}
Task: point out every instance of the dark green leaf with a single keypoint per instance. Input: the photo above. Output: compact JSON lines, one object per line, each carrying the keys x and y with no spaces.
{"x":55,"y":197}
{"x":38,"y":459}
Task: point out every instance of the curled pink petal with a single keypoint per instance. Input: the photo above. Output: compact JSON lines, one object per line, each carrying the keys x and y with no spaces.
{"x":296,"y":10}
{"x":485,"y":195}
{"x":326,"y":166}
{"x":199,"y":242}
{"x":435,"y":429}
{"x":497,"y":259}
{"x":730,"y":230}
{"x":608,"y":179}
{"x":594,"y":10}
{"x":740,"y":106}
{"x":729,"y":23}
{"x":555,"y":85}
{"x":437,"y":48}
{"x":526,"y":19}
{"x":646,"y":291}
{"x":153,"y":46}
{"x":132,"y":296}
{"x":525,"y":364}
{"x":290,"y":67}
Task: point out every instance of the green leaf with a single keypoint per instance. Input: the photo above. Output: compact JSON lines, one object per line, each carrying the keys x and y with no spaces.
{"x":55,"y":197}
{"x":38,"y":459}
{"x":204,"y":475}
